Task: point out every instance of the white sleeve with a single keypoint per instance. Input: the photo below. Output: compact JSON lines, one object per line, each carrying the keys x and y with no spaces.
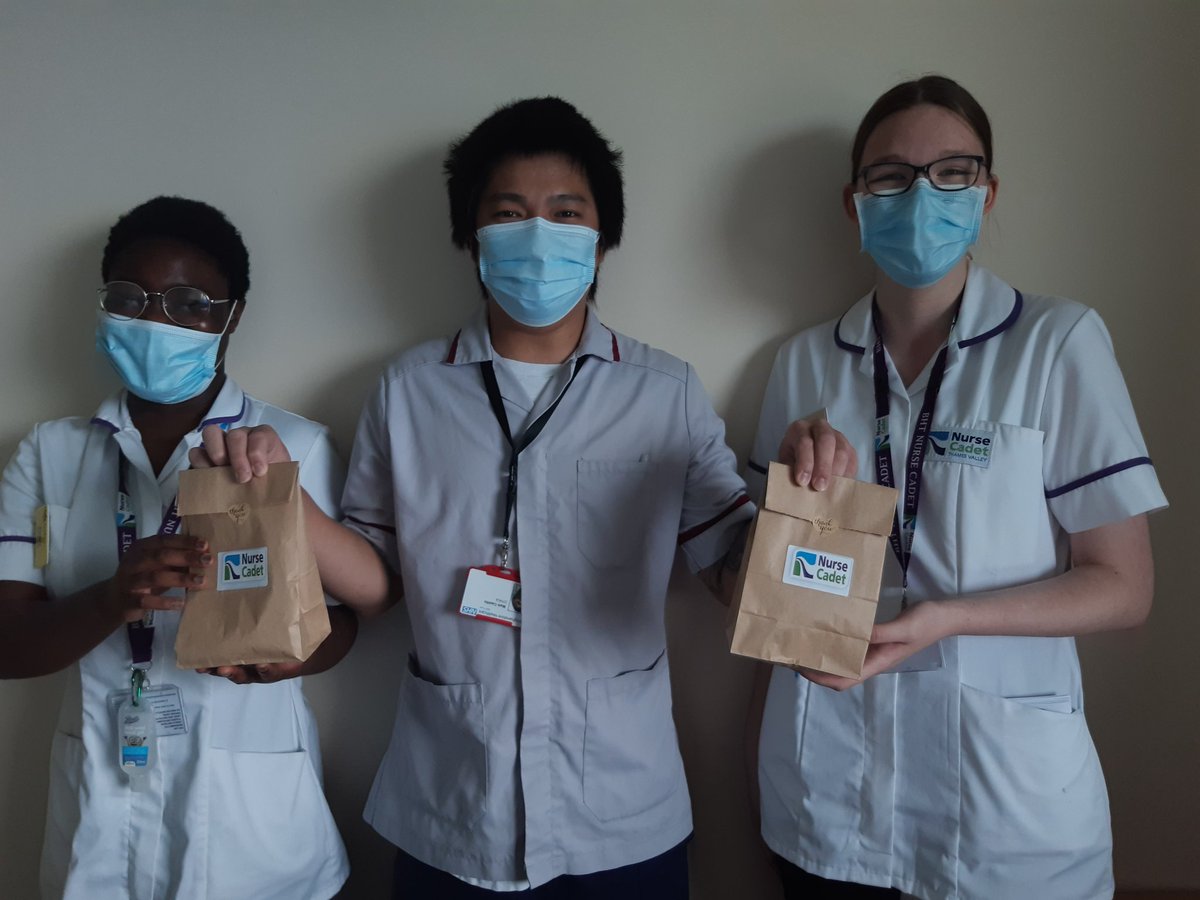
{"x":791,"y":394}
{"x":772,"y":423}
{"x":21,"y":493}
{"x":323,"y":475}
{"x":1095,"y":468}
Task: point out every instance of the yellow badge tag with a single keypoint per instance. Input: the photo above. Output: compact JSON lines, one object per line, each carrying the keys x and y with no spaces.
{"x":41,"y":537}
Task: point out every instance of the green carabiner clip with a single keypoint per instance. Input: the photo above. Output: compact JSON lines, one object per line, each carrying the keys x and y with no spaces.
{"x":137,"y":681}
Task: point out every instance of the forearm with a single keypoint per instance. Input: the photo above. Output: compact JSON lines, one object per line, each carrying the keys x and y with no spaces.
{"x":343,"y":629}
{"x":1087,"y":599}
{"x":351,"y":570}
{"x":1110,"y":586}
{"x":39,"y":636}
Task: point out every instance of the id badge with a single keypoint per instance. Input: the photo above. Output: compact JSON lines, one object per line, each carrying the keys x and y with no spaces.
{"x":137,"y":742}
{"x":493,"y":594}
{"x":164,"y":701}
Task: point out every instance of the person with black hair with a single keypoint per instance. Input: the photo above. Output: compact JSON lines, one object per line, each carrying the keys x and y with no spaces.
{"x":92,"y":574}
{"x":528,"y":482}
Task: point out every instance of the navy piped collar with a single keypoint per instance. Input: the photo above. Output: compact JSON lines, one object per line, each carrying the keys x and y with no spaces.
{"x":227,"y":410}
{"x":989,"y":308}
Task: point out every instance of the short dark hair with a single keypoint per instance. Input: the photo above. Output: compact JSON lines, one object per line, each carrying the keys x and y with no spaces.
{"x":189,"y":222}
{"x":937,"y":90}
{"x":530,"y":128}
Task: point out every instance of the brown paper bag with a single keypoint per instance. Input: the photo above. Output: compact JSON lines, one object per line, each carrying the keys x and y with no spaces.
{"x":266,"y":603}
{"x":809,"y":581}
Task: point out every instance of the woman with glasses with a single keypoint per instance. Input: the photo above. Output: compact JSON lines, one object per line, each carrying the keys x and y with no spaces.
{"x":222,"y":797}
{"x":960,"y":764}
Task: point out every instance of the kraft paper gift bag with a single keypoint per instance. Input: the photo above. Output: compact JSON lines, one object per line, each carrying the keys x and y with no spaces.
{"x":809,"y":582}
{"x":266,"y":604}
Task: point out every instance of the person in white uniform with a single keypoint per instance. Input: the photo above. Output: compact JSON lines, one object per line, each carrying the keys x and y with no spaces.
{"x":234,"y":806}
{"x":960,"y":764}
{"x":531,"y":480}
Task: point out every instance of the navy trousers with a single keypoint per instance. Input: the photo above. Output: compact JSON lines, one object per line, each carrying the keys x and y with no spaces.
{"x":801,"y":885}
{"x":663,"y":877}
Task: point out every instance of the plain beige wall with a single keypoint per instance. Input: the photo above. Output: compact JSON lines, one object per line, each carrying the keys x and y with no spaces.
{"x":319,"y":128}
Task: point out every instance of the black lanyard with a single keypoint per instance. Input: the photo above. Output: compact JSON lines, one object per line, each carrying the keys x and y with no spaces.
{"x":531,"y":433}
{"x":903,"y":532}
{"x":141,"y":633}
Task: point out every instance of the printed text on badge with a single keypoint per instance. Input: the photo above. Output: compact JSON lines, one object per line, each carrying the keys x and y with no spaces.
{"x":238,"y":570}
{"x":819,"y":570}
{"x":958,"y":445}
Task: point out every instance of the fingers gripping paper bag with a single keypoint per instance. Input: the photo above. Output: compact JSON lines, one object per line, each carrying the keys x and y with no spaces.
{"x":266,"y":604}
{"x":809,"y":582}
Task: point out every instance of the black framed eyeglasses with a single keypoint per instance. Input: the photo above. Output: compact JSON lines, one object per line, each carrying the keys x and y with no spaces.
{"x":952,"y":173}
{"x":186,"y":306}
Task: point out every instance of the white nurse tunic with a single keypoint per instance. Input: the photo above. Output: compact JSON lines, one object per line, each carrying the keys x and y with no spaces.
{"x":235,"y":807}
{"x":978,"y":779}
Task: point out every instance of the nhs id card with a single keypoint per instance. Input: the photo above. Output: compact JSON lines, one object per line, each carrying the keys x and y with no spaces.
{"x":164,"y":700}
{"x":492,"y":594}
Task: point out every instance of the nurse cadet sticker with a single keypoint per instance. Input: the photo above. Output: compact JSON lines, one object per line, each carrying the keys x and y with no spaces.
{"x":974,"y":448}
{"x":238,"y":570}
{"x":819,"y":570}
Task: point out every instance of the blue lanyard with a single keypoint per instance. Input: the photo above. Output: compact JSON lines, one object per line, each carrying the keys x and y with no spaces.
{"x":904,"y":532}
{"x":141,"y":634}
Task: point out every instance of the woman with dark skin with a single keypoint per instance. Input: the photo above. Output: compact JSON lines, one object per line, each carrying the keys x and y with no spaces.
{"x":234,"y":805}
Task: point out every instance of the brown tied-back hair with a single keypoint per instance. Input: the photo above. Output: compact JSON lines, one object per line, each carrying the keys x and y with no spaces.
{"x":937,"y":90}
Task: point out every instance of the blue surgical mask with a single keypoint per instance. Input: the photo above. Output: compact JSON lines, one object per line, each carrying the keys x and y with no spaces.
{"x":158,"y":362}
{"x":920,"y":235}
{"x":537,"y":270}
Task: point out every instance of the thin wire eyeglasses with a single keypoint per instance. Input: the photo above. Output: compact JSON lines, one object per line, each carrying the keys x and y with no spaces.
{"x":185,"y":306}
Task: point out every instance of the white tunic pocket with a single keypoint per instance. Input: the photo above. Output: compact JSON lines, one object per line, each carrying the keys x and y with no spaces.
{"x":812,"y":763}
{"x":1034,"y":808}
{"x":441,"y":754}
{"x":631,"y":760}
{"x":252,"y":718}
{"x":271,"y":835}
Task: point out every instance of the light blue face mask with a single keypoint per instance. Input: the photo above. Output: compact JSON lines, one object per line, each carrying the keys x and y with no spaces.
{"x":537,"y":270}
{"x":158,"y":362}
{"x":920,"y":235}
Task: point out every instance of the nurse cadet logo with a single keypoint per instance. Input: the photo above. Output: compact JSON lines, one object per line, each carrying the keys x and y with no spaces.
{"x":818,"y":570}
{"x":883,"y":434}
{"x":238,"y":570}
{"x":973,"y":448}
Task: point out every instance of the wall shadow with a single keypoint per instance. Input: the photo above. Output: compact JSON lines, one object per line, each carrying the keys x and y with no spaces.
{"x":420,"y":286}
{"x":794,"y":253}
{"x":62,"y":332}
{"x":783,"y":232}
{"x":425,"y":284}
